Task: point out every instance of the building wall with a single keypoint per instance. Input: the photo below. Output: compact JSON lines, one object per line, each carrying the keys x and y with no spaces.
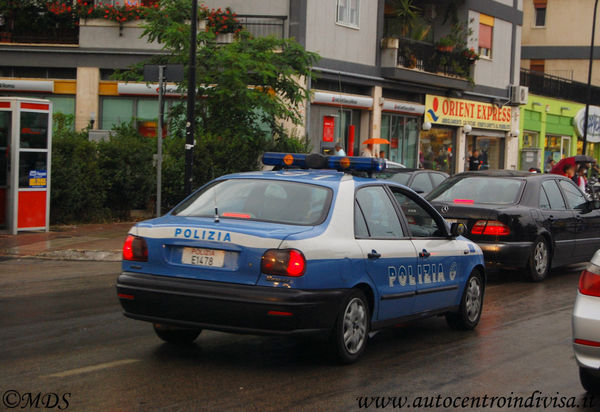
{"x":338,"y":42}
{"x":255,"y":7}
{"x":495,"y":71}
{"x":568,"y":23}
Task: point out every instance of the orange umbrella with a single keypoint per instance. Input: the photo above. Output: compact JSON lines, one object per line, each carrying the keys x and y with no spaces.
{"x":376,"y":140}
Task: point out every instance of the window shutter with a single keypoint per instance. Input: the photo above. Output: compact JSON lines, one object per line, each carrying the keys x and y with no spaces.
{"x":485,"y":36}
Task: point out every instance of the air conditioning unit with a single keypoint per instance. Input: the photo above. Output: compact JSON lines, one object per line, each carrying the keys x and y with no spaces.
{"x":518,"y":95}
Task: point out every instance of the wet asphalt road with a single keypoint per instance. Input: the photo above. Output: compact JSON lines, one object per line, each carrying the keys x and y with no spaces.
{"x":62,"y":333}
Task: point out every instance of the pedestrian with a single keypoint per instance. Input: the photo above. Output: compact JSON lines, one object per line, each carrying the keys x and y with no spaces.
{"x":580,"y":178}
{"x":382,"y":154}
{"x":569,"y":170}
{"x":367,"y":151}
{"x":549,"y":164}
{"x":474,"y":161}
{"x":339,"y":151}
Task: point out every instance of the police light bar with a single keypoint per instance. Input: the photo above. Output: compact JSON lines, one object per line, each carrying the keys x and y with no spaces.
{"x":319,"y":161}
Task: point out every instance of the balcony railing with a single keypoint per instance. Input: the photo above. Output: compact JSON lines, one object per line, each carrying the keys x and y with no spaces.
{"x":261,"y":26}
{"x":427,"y":57}
{"x":558,"y":87}
{"x":55,"y":36}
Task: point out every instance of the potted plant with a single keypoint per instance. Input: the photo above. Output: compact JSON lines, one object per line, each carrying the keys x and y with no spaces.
{"x":224,"y":24}
{"x":445,"y":44}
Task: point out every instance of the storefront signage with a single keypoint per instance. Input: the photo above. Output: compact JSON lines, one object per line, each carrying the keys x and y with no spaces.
{"x":459,"y":112}
{"x":143,"y":89}
{"x":328,"y":128}
{"x":402,"y":107}
{"x":593,"y":132}
{"x":38,"y":178}
{"x":346,"y":100}
{"x":46,"y":86}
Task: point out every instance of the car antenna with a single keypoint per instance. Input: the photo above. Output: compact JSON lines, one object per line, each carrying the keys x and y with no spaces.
{"x":216,"y":207}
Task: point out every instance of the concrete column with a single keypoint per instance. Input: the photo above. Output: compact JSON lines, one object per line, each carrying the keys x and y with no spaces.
{"x":375,"y":125}
{"x":86,"y":101}
{"x":459,"y":150}
{"x":511,"y":146}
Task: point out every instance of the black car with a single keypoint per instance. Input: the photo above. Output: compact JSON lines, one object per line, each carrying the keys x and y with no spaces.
{"x":421,"y":181}
{"x":522,"y":220}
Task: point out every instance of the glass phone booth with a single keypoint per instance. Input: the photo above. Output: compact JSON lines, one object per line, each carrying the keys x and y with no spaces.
{"x":25,"y":151}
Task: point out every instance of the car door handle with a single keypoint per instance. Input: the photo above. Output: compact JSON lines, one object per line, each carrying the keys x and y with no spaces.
{"x":374,"y":254}
{"x":424,"y":254}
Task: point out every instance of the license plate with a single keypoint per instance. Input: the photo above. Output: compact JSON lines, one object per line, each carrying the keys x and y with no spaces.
{"x":203,"y":257}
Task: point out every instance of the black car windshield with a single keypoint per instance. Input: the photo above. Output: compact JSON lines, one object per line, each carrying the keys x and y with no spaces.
{"x":398,"y":177}
{"x":260,"y":199}
{"x":478,"y":189}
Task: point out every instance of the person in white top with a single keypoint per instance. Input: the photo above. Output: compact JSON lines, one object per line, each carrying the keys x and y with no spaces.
{"x":367,"y":151}
{"x":338,"y":150}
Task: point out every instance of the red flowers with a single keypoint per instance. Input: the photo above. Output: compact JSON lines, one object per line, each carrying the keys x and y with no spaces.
{"x":223,"y":21}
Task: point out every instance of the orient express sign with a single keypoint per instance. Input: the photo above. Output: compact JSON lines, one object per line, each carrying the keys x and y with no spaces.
{"x":459,"y":112}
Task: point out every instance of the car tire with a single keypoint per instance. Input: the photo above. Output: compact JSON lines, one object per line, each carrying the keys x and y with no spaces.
{"x":471,"y":304}
{"x":589,"y":381}
{"x":178,"y":336}
{"x":350,"y":333}
{"x":538,"y":265}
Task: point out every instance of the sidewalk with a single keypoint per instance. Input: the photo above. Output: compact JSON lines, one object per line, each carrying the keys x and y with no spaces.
{"x":102,"y":242}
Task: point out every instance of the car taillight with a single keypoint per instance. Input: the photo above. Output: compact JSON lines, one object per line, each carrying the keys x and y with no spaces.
{"x":490,"y":228}
{"x":135,"y":248}
{"x":287,"y":262}
{"x":589,"y":281}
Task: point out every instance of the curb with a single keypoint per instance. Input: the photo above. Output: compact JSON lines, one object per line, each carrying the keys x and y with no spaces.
{"x":71,"y":254}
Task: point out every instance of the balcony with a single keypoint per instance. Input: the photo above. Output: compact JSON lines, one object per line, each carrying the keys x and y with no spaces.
{"x":261,"y":26}
{"x":557,"y":87}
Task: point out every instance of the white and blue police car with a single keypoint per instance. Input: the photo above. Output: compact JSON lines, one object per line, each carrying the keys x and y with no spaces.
{"x":306,"y":248}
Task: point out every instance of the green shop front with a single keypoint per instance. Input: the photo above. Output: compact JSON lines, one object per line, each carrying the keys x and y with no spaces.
{"x":547,"y":132}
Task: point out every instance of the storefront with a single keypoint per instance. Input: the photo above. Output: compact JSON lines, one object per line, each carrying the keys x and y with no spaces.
{"x":400,"y":124}
{"x":338,"y":118}
{"x":547,"y":132}
{"x":454,"y":128}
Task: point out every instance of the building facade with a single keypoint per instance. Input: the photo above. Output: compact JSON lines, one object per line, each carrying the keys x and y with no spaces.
{"x":436,"y":87}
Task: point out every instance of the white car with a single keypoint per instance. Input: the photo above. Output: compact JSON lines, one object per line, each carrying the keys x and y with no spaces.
{"x":586,"y":326}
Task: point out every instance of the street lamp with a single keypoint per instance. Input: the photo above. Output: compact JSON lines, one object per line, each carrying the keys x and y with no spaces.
{"x":589,"y":83}
{"x":191,"y":103}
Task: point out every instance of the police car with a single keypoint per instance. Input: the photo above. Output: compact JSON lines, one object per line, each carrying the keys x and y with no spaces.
{"x":306,"y":248}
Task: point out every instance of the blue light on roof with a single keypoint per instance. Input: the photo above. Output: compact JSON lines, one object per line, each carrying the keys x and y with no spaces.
{"x":318,"y":161}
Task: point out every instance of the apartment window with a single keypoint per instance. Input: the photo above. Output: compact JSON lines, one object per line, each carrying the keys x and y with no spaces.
{"x":347,"y":12}
{"x":537,"y":66}
{"x":486,"y":34}
{"x":540,"y":12}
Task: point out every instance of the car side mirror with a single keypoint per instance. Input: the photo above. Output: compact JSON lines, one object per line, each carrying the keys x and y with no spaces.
{"x":457,"y":229}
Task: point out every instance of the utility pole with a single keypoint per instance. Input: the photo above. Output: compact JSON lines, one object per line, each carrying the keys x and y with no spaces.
{"x":191,"y":102}
{"x":159,"y":133}
{"x":589,"y":83}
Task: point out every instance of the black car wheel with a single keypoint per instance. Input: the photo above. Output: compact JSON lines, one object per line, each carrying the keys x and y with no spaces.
{"x":176,"y":335}
{"x":539,"y":260}
{"x":351,"y":331}
{"x":471,"y":305}
{"x":590,"y":382}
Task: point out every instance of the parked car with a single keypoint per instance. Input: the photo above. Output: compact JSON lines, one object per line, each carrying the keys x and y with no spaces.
{"x":586,"y":326}
{"x":300,"y":251}
{"x":522,"y":220}
{"x":421,"y":181}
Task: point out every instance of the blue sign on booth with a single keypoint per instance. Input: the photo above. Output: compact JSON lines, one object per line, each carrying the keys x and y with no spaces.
{"x":38,"y":178}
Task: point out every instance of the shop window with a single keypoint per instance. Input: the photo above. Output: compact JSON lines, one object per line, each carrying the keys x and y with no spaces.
{"x":436,"y":149}
{"x":530,"y":139}
{"x":557,"y":147}
{"x":486,"y":31}
{"x":490,"y":151}
{"x":403,"y":134}
{"x":116,"y":111}
{"x":540,"y":12}
{"x":537,"y":66}
{"x":348,"y":12}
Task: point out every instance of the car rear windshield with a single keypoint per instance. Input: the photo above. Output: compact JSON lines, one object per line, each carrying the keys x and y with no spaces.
{"x":478,"y":189}
{"x":260,"y":199}
{"x":398,"y":177}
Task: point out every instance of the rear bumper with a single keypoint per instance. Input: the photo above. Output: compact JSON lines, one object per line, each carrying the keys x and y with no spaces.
{"x":506,"y":254}
{"x":227,"y":307}
{"x":586,"y":326}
